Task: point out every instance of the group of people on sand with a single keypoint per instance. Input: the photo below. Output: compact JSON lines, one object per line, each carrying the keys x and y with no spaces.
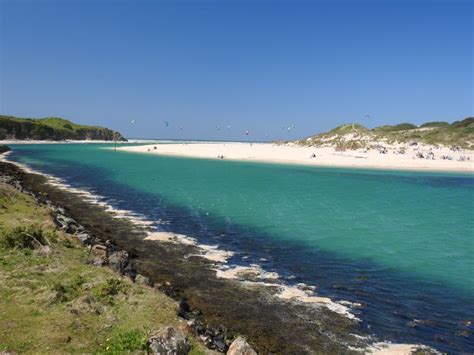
{"x":429,"y":155}
{"x":220,"y":157}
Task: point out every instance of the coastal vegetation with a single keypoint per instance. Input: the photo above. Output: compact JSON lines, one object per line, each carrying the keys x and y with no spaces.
{"x":356,"y":136}
{"x":52,"y":128}
{"x":52,"y":299}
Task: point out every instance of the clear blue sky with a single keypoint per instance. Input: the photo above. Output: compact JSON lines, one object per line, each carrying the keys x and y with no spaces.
{"x":252,"y":64}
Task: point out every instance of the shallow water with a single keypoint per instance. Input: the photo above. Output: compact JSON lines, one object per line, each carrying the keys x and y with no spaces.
{"x":400,"y":243}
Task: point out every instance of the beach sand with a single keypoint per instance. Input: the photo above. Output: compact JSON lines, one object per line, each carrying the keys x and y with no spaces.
{"x":325,"y":156}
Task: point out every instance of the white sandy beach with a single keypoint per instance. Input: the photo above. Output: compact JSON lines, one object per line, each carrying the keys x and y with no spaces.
{"x":461,"y":160}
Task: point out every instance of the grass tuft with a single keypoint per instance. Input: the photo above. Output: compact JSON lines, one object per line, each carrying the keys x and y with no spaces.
{"x":128,"y":341}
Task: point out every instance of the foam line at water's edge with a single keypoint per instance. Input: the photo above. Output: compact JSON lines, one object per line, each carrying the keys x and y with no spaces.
{"x":250,"y":275}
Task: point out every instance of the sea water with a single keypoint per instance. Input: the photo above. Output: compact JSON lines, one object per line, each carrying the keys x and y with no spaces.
{"x":399,"y":243}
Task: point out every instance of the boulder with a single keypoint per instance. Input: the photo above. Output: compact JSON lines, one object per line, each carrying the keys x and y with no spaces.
{"x":67,"y":224}
{"x":240,"y":347}
{"x":143,"y":280}
{"x":119,"y":260}
{"x":60,"y":210}
{"x":169,"y":341}
{"x":130,"y":270}
{"x":98,"y":261}
{"x":99,"y":250}
{"x":85,"y":238}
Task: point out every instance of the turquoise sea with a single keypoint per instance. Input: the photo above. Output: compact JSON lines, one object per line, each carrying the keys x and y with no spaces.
{"x":399,"y":243}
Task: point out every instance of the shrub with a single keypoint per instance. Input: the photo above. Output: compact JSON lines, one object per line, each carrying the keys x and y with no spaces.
{"x":107,"y":290}
{"x":24,"y":238}
{"x":68,"y":291}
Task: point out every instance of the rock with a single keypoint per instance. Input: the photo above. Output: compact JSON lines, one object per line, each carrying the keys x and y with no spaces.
{"x":220,"y":346}
{"x":130,"y":270}
{"x":169,"y":341}
{"x":118,"y":261}
{"x":240,"y":347}
{"x":67,"y":224}
{"x":99,"y":250}
{"x":143,"y":280}
{"x":85,"y":238}
{"x":98,"y":261}
{"x":60,"y":210}
{"x":464,"y":333}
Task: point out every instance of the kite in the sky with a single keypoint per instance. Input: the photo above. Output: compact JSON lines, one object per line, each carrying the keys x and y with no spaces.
{"x":132,"y":121}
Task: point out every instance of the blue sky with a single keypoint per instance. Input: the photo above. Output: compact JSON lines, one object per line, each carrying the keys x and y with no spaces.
{"x":256,"y":65}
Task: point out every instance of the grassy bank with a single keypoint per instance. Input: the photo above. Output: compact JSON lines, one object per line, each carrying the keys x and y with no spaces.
{"x":52,"y":128}
{"x":52,"y":300}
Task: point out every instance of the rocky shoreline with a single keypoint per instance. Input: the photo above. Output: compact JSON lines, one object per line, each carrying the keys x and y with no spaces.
{"x":217,"y":311}
{"x":107,"y":253}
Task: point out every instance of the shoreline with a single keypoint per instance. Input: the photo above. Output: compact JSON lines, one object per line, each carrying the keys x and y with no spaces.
{"x":249,"y":282}
{"x":325,"y":157}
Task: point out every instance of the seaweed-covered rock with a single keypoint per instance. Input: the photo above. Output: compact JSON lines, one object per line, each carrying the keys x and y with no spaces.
{"x":168,"y":341}
{"x":240,"y":347}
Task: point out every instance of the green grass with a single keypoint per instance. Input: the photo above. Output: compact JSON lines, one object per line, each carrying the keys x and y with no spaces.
{"x":56,"y":302}
{"x":348,"y":128}
{"x":435,"y":124}
{"x":53,"y":128}
{"x":395,"y":128}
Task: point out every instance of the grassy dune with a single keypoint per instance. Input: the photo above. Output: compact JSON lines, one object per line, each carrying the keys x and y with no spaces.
{"x":52,"y":300}
{"x":354,"y":136}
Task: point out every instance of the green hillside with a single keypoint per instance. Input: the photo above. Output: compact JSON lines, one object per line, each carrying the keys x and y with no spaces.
{"x":52,"y":128}
{"x":354,"y":136}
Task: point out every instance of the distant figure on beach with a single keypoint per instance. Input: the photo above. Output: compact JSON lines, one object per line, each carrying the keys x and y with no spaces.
{"x":154,"y":147}
{"x":313,"y":155}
